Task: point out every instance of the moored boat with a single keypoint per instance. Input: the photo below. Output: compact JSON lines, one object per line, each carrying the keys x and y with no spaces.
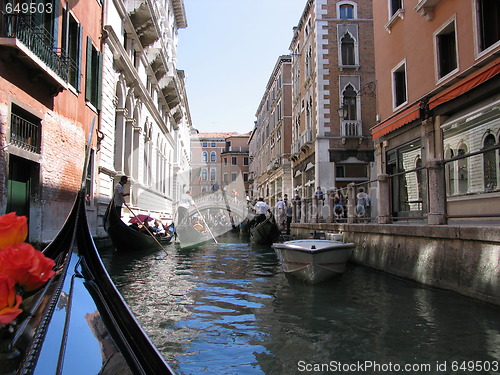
{"x":313,"y":260}
{"x":127,"y":239}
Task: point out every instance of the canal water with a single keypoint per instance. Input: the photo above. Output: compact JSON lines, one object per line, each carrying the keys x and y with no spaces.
{"x":227,"y":308}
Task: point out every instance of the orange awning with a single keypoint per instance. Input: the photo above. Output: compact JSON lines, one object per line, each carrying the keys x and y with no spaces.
{"x":396,"y":121}
{"x":467,"y":84}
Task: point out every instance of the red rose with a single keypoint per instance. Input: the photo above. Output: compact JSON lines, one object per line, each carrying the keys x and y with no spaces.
{"x":9,"y":300}
{"x":27,"y":266}
{"x":13,"y":229}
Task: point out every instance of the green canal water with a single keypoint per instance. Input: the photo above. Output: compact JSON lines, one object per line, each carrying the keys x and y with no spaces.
{"x":227,"y":308}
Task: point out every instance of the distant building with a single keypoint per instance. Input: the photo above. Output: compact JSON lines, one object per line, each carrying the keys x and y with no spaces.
{"x":271,"y":138}
{"x":50,"y":92}
{"x":206,"y":172}
{"x":332,"y":69}
{"x":217,"y":160}
{"x":438,"y":103}
{"x":235,"y":161}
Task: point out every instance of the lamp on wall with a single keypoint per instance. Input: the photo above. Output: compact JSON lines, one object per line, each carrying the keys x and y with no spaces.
{"x":342,"y":111}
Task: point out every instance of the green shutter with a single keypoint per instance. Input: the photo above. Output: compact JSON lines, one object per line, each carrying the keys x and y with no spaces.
{"x":79,"y":61}
{"x":55,"y":13}
{"x":98,"y":86}
{"x":88,"y":73}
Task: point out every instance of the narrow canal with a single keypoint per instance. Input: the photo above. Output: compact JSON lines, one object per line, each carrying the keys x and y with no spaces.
{"x":228,"y":309}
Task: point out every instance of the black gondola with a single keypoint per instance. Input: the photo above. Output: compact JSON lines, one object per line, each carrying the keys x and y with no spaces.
{"x":265,"y":233}
{"x":79,"y":323}
{"x":126,"y":238}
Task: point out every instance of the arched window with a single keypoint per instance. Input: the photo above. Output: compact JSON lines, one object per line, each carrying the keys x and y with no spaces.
{"x":450,"y":172}
{"x":213,"y":156}
{"x":346,"y":11}
{"x":204,"y":174}
{"x":490,"y":164}
{"x":463,"y":171}
{"x":204,"y":156}
{"x":212,"y":174}
{"x":349,"y":102}
{"x":348,"y":50}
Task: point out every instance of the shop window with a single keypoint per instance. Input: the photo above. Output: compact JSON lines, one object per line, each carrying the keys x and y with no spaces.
{"x":490,"y":164}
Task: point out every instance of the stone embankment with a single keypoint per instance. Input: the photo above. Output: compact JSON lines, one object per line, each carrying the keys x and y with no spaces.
{"x":461,"y":258}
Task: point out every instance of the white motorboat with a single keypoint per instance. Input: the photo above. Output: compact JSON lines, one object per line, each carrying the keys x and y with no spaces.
{"x":313,"y":260}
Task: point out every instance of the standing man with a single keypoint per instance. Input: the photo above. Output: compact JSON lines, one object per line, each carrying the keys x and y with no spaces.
{"x":185,"y":202}
{"x":261,"y":208}
{"x":281,"y":213}
{"x":119,"y":194}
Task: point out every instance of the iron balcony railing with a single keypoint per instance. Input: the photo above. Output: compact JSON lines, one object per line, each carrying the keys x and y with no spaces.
{"x":37,"y":40}
{"x":25,"y":134}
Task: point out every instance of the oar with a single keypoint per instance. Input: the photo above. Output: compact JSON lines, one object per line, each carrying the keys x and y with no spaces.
{"x":145,"y":226}
{"x":202,"y":218}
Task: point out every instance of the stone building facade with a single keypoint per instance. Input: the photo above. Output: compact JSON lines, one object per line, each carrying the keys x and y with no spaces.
{"x":145,"y":121}
{"x":270,"y":141}
{"x":438,"y":106}
{"x":333,"y":96}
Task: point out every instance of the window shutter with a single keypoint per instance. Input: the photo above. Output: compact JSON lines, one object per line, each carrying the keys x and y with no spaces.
{"x":79,"y":62}
{"x":56,"y":5}
{"x":88,"y":71}
{"x":98,"y":87}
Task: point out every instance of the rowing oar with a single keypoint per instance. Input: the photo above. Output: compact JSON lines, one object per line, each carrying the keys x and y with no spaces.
{"x":145,"y":226}
{"x":202,"y":218}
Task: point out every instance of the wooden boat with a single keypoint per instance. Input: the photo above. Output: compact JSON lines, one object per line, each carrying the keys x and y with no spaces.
{"x":127,"y":239}
{"x":313,"y":260}
{"x":265,"y":233}
{"x":79,"y":322}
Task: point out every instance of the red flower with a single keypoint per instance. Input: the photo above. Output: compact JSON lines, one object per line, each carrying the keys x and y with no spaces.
{"x":9,"y":300}
{"x":13,"y":229}
{"x":27,"y":266}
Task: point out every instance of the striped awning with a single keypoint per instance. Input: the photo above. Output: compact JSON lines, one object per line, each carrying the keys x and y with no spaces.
{"x":392,"y":123}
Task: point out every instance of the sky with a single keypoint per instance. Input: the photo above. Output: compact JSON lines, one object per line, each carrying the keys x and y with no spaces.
{"x":228,"y":52}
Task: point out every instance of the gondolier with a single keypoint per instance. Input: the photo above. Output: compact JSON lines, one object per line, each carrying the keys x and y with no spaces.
{"x":119,"y":194}
{"x":185,"y":202}
{"x":261,"y":208}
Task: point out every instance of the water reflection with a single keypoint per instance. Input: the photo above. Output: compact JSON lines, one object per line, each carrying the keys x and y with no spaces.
{"x":228,"y":309}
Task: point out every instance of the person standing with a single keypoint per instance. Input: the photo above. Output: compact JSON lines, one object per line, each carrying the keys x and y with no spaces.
{"x":261,"y":208}
{"x":280,"y":213}
{"x":362,"y":203}
{"x":119,"y":194}
{"x":185,"y":202}
{"x":289,"y":215}
{"x":298,"y":206}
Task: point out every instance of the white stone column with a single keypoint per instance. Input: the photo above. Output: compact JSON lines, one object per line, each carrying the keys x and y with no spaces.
{"x":384,"y":199}
{"x":437,"y":193}
{"x":351,"y":203}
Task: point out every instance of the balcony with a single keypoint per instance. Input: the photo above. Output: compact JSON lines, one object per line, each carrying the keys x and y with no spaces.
{"x":426,"y":8}
{"x":25,"y":134}
{"x":143,"y":17}
{"x":171,"y":89}
{"x":306,"y":139}
{"x":351,"y":129}
{"x":34,"y":46}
